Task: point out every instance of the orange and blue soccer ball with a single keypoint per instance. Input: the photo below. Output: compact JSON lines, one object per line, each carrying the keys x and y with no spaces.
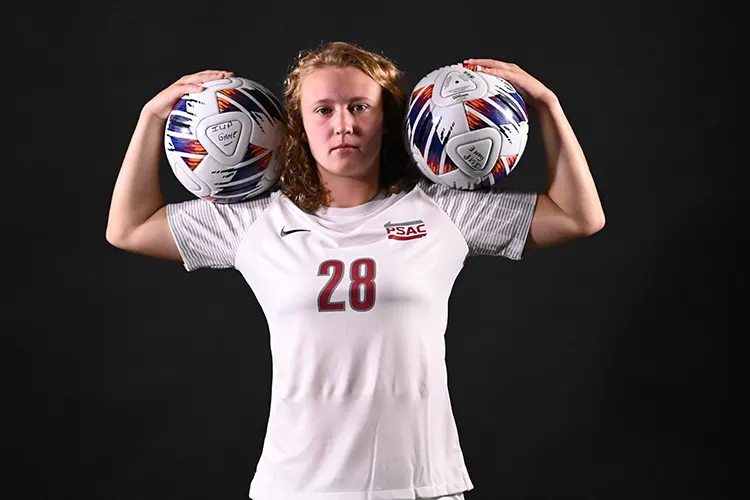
{"x":223,"y":143}
{"x":464,"y":128}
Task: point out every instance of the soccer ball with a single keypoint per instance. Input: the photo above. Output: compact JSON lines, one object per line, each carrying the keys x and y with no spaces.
{"x":465,"y":129}
{"x":223,"y":143}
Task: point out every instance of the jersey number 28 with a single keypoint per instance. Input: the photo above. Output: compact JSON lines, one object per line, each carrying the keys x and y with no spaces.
{"x":361,"y":285}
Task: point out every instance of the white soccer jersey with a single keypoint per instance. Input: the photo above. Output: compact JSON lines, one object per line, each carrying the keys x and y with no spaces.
{"x":356,"y":301}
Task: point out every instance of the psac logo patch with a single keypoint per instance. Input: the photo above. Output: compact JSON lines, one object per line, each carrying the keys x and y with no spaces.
{"x":405,"y":230}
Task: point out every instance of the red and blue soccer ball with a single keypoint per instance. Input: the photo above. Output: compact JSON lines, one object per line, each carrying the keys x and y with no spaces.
{"x":223,"y":143}
{"x":464,"y":128}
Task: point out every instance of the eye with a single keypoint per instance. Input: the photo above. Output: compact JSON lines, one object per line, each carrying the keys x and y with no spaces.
{"x":323,"y":111}
{"x":360,"y":107}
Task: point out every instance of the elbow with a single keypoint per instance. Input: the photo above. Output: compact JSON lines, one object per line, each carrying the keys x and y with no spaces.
{"x":115,"y":238}
{"x":592,"y":224}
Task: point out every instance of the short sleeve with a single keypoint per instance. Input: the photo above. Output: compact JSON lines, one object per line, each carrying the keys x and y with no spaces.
{"x":492,"y":221}
{"x":208,"y":234}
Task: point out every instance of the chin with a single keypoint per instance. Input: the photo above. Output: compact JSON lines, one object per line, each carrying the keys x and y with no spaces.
{"x":348,"y":173}
{"x":347,"y":169}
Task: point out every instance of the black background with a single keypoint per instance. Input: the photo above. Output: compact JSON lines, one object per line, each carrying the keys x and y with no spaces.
{"x":604,"y":369}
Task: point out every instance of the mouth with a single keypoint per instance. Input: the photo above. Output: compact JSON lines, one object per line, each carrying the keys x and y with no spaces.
{"x":344,"y":147}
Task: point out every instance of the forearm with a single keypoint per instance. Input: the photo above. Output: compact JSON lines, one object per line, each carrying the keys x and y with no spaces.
{"x":137,"y":192}
{"x":569,"y":182}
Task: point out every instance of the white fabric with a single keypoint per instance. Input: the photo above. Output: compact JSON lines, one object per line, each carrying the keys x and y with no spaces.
{"x":357,"y":311}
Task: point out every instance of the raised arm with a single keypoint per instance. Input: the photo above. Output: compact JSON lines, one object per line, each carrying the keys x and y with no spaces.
{"x":137,"y":214}
{"x":570,"y":208}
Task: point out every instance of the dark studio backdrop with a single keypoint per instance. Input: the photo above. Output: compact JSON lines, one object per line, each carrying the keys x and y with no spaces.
{"x":604,"y":369}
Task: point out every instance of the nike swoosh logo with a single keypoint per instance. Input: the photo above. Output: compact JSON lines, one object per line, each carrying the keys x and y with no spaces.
{"x":284,"y":232}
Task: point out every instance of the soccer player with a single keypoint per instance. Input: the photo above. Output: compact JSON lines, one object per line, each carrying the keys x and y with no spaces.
{"x":353,"y":261}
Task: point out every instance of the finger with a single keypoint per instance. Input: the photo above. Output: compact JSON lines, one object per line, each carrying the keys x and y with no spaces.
{"x":218,"y":71}
{"x":497,"y":71}
{"x":490,"y":63}
{"x":510,"y":76}
{"x":211,"y":72}
{"x":188,"y":88}
{"x":198,"y":79}
{"x":484,"y":62}
{"x":205,"y":76}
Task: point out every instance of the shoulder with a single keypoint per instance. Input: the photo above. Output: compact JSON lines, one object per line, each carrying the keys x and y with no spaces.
{"x":219,"y":218}
{"x":200,"y":205}
{"x":440,"y":194}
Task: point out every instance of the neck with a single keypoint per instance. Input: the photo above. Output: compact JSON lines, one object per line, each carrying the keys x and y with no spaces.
{"x":347,"y":192}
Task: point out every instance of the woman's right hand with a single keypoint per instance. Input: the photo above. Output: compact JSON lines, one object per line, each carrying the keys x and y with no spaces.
{"x":163,"y":102}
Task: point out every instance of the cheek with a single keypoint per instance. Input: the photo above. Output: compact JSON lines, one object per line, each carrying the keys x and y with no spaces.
{"x":375,"y":135}
{"x":375,"y":142}
{"x":315,"y":138}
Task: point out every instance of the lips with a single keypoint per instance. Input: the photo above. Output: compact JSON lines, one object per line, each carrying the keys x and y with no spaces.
{"x":345,"y":146}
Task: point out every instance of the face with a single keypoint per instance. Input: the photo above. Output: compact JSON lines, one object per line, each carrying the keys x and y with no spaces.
{"x":343,"y":107}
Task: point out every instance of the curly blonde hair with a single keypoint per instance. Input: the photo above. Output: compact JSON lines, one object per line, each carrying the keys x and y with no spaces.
{"x":299,"y":179}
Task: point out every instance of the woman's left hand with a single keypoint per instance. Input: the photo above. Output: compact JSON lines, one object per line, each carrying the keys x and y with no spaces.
{"x":532,"y":90}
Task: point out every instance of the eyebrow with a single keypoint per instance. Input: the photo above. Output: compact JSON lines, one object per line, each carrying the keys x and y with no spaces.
{"x":327,"y":101}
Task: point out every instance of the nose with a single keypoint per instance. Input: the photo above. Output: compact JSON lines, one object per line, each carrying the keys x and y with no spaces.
{"x":344,"y":123}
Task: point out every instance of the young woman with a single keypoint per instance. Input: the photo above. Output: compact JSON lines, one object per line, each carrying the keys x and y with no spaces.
{"x":353,"y":261}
